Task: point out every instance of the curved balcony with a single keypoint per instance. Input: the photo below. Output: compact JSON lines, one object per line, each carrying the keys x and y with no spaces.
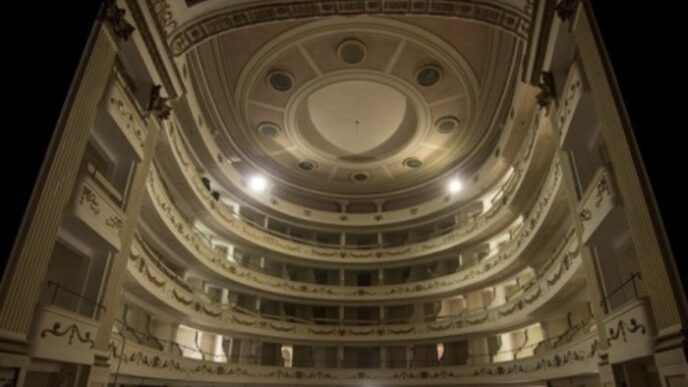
{"x":223,"y":217}
{"x":243,"y":232}
{"x":578,"y":357}
{"x":161,"y":287}
{"x":233,"y":177}
{"x":499,"y":264}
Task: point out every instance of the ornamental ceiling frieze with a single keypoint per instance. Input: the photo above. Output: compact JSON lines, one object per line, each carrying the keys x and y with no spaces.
{"x":513,"y":17}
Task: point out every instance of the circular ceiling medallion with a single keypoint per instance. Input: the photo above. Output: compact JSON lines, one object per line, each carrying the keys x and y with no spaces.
{"x":428,"y":75}
{"x":447,"y":124}
{"x":359,"y":177}
{"x":351,"y":51}
{"x":307,"y":165}
{"x":280,"y":80}
{"x":412,"y":162}
{"x":269,"y":129}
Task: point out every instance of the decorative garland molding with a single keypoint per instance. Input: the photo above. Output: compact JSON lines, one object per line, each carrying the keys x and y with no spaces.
{"x":565,"y":264}
{"x":140,"y":361}
{"x":73,"y":331}
{"x":469,"y":277}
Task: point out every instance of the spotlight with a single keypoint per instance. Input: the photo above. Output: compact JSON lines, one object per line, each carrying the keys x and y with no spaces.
{"x":454,"y":186}
{"x":258,"y":183}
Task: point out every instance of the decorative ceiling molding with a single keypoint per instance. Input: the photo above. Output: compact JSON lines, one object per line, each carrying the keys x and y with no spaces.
{"x":182,"y":39}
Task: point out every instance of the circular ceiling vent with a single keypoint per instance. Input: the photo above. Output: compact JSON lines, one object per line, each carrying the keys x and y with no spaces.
{"x":447,"y":124}
{"x":269,"y":129}
{"x":428,"y":75}
{"x":351,"y":51}
{"x":280,"y":80}
{"x":307,"y":165}
{"x":359,"y":177}
{"x":412,"y":162}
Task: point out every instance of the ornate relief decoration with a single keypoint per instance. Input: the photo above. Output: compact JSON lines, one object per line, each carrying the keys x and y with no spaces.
{"x":585,"y":215}
{"x":584,"y":353}
{"x":115,"y":17}
{"x":131,"y":125}
{"x":115,"y":222}
{"x":73,"y":331}
{"x":163,"y":15}
{"x":602,"y":189}
{"x":215,"y":315}
{"x":507,"y":19}
{"x":571,"y":97}
{"x":158,"y":103}
{"x":621,"y":328}
{"x":152,"y":48}
{"x":88,"y":196}
{"x":548,"y":90}
{"x":598,"y":200}
{"x":566,"y":8}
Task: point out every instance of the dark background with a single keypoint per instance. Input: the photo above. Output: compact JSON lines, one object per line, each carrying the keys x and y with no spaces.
{"x":43,"y":43}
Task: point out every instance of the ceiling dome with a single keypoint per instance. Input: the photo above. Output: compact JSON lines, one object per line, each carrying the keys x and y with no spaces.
{"x":368,"y":104}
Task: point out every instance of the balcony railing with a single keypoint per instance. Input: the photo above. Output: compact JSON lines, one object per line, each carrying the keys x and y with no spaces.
{"x":61,"y":296}
{"x":198,"y":246}
{"x":255,"y":231}
{"x":223,"y":317}
{"x":435,"y":205}
{"x":609,"y":302}
{"x":577,"y":358}
{"x":196,"y":352}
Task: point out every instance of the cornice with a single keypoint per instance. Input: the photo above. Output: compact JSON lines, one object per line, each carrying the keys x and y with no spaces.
{"x":191,"y":33}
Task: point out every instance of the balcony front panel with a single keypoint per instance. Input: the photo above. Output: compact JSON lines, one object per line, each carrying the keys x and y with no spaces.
{"x":597,"y":203}
{"x":630,"y":331}
{"x":573,"y":91}
{"x":565,"y":264}
{"x":243,"y":232}
{"x":95,"y":209}
{"x":62,"y":335}
{"x":137,"y":361}
{"x":471,"y":277}
{"x":126,"y":116}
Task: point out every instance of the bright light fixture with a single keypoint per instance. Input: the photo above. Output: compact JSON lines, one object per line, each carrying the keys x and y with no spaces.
{"x":258,"y":183}
{"x":455,"y":186}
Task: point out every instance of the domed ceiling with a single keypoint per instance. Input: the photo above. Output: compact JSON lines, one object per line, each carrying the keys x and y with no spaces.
{"x":359,"y":106}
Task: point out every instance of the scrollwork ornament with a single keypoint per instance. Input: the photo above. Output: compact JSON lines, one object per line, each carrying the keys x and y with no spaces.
{"x":73,"y":331}
{"x":115,"y":17}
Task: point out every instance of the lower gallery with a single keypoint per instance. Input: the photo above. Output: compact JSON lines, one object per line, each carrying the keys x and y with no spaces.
{"x":343,"y":193}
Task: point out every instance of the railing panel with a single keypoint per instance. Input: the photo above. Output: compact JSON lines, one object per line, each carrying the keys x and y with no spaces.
{"x":94,"y":208}
{"x":597,"y":202}
{"x":62,"y":335}
{"x":630,"y":331}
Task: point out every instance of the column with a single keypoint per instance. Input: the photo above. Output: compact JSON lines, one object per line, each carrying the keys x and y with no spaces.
{"x":340,"y":356}
{"x":31,"y":253}
{"x":657,"y":266}
{"x":114,"y":279}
